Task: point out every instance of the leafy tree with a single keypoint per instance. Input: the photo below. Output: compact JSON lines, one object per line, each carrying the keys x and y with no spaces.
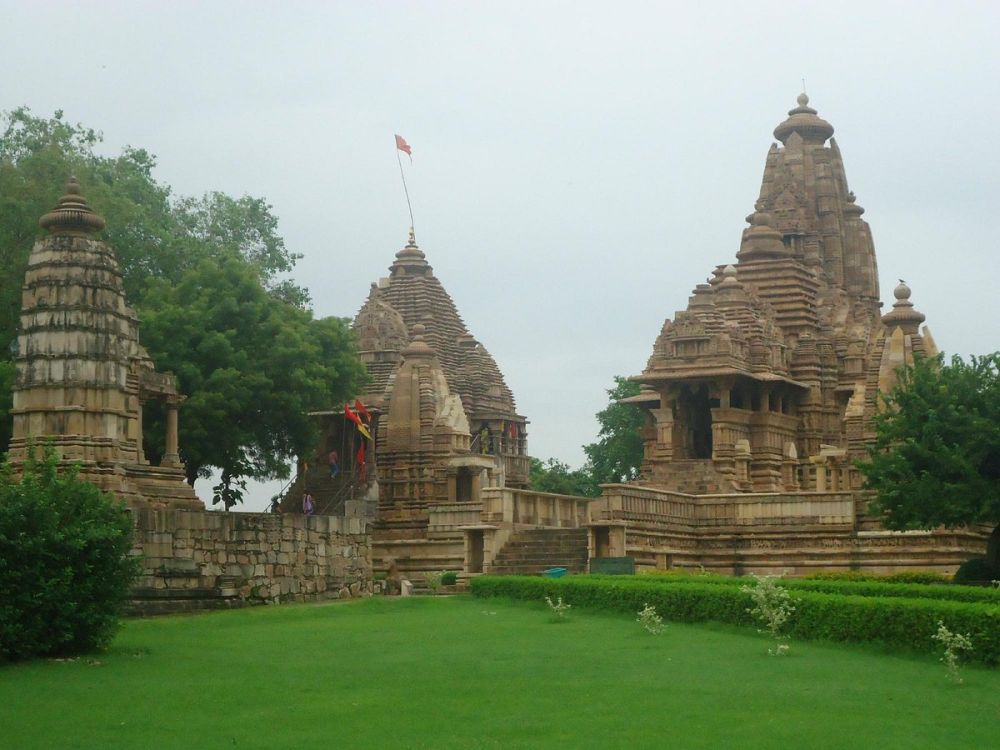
{"x":555,"y":476}
{"x":65,"y":567}
{"x":936,"y":457}
{"x":617,"y":454}
{"x":252,"y":364}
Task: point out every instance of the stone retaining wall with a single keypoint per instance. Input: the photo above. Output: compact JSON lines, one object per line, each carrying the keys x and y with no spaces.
{"x":205,"y":560}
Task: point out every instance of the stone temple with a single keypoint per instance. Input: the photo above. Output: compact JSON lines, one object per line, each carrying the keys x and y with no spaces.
{"x":443,"y":421}
{"x":759,"y":395}
{"x":768,"y":380}
{"x":82,"y":375}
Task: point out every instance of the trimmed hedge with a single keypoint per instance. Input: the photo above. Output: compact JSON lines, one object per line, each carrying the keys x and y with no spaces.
{"x":906,"y":576}
{"x":900,"y":623}
{"x":945,"y":591}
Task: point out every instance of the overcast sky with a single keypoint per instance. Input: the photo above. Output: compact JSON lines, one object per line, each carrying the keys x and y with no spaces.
{"x":577,"y":167}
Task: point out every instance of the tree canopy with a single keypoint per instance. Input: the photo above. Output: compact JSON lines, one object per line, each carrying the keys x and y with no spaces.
{"x":617,"y":454}
{"x":204,"y":275}
{"x":936,"y":457}
{"x":556,"y":476}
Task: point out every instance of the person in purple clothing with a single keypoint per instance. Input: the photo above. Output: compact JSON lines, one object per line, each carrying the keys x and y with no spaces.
{"x":308,"y":506}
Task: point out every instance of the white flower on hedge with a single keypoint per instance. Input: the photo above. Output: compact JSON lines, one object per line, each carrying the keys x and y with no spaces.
{"x":651,"y":622}
{"x":558,"y":608}
{"x":954,"y":644}
{"x":772,"y":606}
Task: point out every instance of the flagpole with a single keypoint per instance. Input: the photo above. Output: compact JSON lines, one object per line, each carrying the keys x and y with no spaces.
{"x":405,"y":191}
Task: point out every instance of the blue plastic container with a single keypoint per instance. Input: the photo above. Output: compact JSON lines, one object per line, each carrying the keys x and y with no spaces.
{"x":554,"y":572}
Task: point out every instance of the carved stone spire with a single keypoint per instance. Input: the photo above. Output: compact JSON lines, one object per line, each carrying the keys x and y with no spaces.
{"x":72,"y":215}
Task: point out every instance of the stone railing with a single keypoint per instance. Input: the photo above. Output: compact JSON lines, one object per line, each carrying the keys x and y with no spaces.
{"x":619,"y":501}
{"x":629,"y":502}
{"x":452,"y":515}
{"x":502,"y":505}
{"x":516,"y":467}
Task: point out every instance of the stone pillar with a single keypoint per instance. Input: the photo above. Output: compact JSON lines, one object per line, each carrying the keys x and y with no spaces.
{"x":171,"y":456}
{"x":789,"y":468}
{"x":742,"y":458}
{"x":616,"y":541}
{"x":139,"y":454}
{"x":820,"y":463}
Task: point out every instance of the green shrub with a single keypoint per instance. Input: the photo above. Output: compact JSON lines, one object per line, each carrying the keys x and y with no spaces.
{"x":976,"y":570}
{"x":65,"y":569}
{"x":449,"y":578}
{"x":897,"y":622}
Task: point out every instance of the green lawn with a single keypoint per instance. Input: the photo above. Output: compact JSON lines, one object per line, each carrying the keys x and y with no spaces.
{"x":464,"y":673}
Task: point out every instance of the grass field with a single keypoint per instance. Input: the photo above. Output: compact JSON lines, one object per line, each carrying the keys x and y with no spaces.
{"x":466,"y":673}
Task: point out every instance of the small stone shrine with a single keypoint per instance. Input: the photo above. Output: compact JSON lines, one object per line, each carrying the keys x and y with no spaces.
{"x":82,"y":375}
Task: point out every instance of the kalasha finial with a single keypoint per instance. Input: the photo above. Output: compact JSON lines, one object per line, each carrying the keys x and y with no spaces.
{"x":72,"y":215}
{"x":803,"y":99}
{"x":902,"y":309}
{"x":413,"y":239}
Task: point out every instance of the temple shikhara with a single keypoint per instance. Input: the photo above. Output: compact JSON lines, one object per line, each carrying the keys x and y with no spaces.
{"x":759,"y":395}
{"x":82,"y":375}
{"x":768,"y":380}
{"x":441,"y":418}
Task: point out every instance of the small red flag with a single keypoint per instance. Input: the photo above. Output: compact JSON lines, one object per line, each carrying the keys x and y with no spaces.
{"x":362,"y":468}
{"x":360,"y":409}
{"x":403,"y":146}
{"x":351,"y":415}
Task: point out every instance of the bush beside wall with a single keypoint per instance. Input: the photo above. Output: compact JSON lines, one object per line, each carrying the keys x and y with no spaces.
{"x":65,"y":568}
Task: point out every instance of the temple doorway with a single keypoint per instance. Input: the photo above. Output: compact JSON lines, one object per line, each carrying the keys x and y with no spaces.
{"x":695,"y":412}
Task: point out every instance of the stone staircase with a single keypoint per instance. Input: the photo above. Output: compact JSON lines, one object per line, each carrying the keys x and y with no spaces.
{"x":330,"y":495}
{"x":532,"y":551}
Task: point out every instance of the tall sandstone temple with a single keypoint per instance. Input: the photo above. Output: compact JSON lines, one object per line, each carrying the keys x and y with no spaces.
{"x":759,"y":395}
{"x":82,"y":375}
{"x":769,"y":379}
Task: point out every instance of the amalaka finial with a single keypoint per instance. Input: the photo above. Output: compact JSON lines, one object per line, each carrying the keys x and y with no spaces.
{"x":72,"y":215}
{"x":804,"y":121}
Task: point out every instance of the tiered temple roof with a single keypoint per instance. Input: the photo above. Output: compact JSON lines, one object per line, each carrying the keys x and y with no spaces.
{"x":782,"y":353}
{"x":413,"y":295}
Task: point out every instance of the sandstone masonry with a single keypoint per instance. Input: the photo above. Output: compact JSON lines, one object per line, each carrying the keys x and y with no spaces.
{"x":200,"y":560}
